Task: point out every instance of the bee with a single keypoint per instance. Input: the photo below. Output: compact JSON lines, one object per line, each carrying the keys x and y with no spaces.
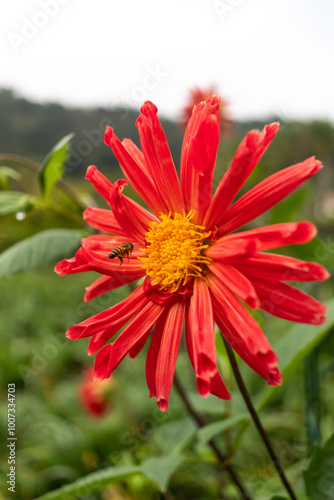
{"x":122,"y":250}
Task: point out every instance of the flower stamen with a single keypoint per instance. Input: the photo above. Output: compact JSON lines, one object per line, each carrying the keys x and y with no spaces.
{"x":174,"y":251}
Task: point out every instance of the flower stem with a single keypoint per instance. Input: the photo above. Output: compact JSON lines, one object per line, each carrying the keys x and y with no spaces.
{"x":256,"y":420}
{"x":201,"y":423}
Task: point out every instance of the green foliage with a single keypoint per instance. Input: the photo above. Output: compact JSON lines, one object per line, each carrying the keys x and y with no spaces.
{"x":174,"y":436}
{"x":93,"y":482}
{"x":39,"y":249}
{"x":319,"y":478}
{"x":160,"y":469}
{"x":53,"y":165}
{"x":13,"y":202}
{"x":295,"y":345}
{"x":211,"y":430}
{"x":7,"y":174}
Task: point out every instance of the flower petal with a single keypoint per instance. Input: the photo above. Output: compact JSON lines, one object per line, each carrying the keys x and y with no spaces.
{"x":106,"y":283}
{"x":195,"y":170}
{"x":102,"y":337}
{"x":99,"y":181}
{"x":138,"y":327}
{"x":104,"y":220}
{"x":168,"y":351}
{"x":110,"y":356}
{"x":276,"y":235}
{"x":271,"y":266}
{"x":99,"y":322}
{"x":133,"y":166}
{"x":136,"y":154}
{"x":158,"y":158}
{"x":243,"y":333}
{"x":245,"y":160}
{"x":139,"y":345}
{"x":71,"y":266}
{"x":288,"y":302}
{"x":153,"y":352}
{"x":202,"y":331}
{"x":266,"y":194}
{"x":236,"y":282}
{"x":225,"y":249}
{"x":101,"y":363}
{"x":133,"y":218}
{"x":218,"y":388}
{"x":208,"y":382}
{"x":202,"y":156}
{"x":94,"y":253}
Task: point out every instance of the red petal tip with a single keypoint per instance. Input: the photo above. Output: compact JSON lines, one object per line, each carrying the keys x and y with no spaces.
{"x":324,"y":274}
{"x":74,"y":332}
{"x":90,"y":171}
{"x":306,"y":230}
{"x":320,"y":317}
{"x":163,"y":404}
{"x":108,"y":135}
{"x":319,"y":320}
{"x":318,"y":165}
{"x":273,"y":127}
{"x":59,"y":268}
{"x":99,"y":378}
{"x":214,"y":99}
{"x":149,"y":109}
{"x":253,"y":302}
{"x":203,"y":387}
{"x":86,"y":213}
{"x":274,"y":377}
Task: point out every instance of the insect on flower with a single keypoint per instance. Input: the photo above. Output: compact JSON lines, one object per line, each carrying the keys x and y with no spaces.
{"x":197,"y":269}
{"x":122,"y":250}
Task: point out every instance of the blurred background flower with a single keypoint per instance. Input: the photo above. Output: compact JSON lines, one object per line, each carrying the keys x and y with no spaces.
{"x":197,"y":95}
{"x":95,"y":395}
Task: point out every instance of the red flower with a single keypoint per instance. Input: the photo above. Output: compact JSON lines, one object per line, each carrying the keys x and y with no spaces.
{"x":197,"y":95}
{"x":93,"y":394}
{"x":197,"y":272}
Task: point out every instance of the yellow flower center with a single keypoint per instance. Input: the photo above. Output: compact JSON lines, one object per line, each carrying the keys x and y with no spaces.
{"x":174,"y":251}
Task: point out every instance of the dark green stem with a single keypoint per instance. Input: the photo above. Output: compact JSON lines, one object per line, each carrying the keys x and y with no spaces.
{"x":256,"y":419}
{"x":201,"y":423}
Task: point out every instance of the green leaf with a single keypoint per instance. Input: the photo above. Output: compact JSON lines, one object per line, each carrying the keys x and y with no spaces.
{"x":10,"y":173}
{"x":53,"y":165}
{"x":294,"y":346}
{"x":319,"y":477}
{"x":173,"y":436}
{"x":157,"y":469}
{"x":14,"y":201}
{"x":92,"y":482}
{"x":209,"y":431}
{"x":160,"y":469}
{"x":38,"y":249}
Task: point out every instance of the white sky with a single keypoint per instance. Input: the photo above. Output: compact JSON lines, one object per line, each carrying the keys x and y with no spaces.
{"x":265,"y":56}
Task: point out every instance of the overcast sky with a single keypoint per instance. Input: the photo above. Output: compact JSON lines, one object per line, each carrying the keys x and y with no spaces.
{"x":264,"y":56}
